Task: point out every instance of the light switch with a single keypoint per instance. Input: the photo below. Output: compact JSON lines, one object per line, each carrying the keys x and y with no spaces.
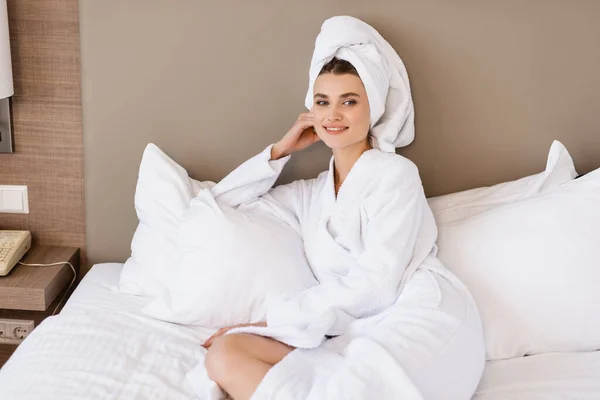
{"x":14,"y":199}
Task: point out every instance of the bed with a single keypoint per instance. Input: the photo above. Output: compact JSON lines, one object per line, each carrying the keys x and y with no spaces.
{"x":101,"y":347}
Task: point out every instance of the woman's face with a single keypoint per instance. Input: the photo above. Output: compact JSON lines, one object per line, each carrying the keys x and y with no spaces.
{"x":341,"y":110}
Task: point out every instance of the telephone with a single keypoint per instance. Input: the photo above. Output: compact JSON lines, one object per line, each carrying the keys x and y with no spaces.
{"x":13,"y":246}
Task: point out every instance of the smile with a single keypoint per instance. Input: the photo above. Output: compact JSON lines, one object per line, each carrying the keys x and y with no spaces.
{"x":335,"y":131}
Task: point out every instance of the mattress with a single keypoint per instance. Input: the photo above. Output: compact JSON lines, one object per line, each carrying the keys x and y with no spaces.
{"x":102,"y":347}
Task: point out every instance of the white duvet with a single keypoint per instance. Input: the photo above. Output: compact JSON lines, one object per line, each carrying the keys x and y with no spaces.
{"x":102,"y":355}
{"x":101,"y":347}
{"x":111,"y":355}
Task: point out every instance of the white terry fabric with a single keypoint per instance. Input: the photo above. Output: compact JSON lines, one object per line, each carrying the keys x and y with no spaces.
{"x":534,"y":269}
{"x":427,"y":345}
{"x":381,"y":70}
{"x":360,"y":259}
{"x":223,"y":250}
{"x":362,"y":246}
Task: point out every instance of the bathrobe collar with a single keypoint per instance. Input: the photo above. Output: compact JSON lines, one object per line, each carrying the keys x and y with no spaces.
{"x":359,"y":176}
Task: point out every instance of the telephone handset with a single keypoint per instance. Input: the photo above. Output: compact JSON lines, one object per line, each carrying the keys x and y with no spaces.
{"x":13,"y":246}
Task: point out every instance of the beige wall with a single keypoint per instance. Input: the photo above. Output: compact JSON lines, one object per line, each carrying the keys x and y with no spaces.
{"x":212,"y":83}
{"x":47,"y":121}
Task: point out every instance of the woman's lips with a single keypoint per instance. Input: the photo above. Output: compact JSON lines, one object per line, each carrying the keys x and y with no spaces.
{"x":335,"y":130}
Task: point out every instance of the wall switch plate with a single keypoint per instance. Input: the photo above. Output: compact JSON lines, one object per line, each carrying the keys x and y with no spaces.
{"x":7,"y":144}
{"x":15,"y":330}
{"x":14,"y":199}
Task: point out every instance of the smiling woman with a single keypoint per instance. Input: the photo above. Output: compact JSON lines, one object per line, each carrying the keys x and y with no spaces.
{"x":369,"y":237}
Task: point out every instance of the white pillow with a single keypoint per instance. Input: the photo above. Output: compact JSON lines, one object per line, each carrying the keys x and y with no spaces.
{"x":456,"y":206}
{"x":162,"y":194}
{"x":231,"y":261}
{"x":533,"y":267}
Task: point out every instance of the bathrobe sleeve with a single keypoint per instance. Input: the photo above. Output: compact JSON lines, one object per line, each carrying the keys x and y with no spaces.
{"x":368,"y":283}
{"x":251,"y":185}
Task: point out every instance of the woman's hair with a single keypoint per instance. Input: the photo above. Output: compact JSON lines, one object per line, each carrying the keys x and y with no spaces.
{"x":338,"y":67}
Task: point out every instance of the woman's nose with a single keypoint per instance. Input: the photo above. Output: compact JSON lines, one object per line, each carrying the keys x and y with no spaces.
{"x":334,"y":115}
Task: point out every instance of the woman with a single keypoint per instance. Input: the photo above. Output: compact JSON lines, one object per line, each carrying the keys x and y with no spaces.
{"x":370,"y":239}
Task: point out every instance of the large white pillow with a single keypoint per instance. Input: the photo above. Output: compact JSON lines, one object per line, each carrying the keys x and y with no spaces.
{"x":533,"y":267}
{"x":230,"y":262}
{"x":456,"y":206}
{"x":163,"y":192}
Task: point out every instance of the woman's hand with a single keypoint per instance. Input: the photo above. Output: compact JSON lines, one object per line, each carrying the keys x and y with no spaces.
{"x":299,"y":137}
{"x":223,"y":331}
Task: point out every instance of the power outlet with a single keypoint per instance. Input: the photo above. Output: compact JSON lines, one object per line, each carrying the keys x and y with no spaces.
{"x":15,"y":330}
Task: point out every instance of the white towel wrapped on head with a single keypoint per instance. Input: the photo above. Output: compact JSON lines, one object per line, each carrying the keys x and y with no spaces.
{"x":381,"y":71}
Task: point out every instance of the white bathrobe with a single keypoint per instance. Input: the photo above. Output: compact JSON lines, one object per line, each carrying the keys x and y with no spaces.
{"x":361,"y":245}
{"x":405,"y":327}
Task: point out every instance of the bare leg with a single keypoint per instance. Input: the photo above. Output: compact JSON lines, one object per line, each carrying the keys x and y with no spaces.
{"x":239,"y":362}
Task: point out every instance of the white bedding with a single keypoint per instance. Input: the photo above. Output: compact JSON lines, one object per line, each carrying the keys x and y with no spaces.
{"x":102,"y":347}
{"x":551,"y":376}
{"x":97,"y":291}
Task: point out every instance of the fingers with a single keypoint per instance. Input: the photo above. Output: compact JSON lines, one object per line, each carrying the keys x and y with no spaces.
{"x":208,"y":342}
{"x":211,"y":339}
{"x":305,"y":116}
{"x":306,"y":119}
{"x":306,"y":124}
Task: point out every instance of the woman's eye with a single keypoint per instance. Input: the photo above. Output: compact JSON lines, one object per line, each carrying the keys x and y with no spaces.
{"x":321,"y":102}
{"x":350,"y":102}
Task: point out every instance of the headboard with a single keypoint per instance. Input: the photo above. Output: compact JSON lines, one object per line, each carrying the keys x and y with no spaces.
{"x":212,"y":83}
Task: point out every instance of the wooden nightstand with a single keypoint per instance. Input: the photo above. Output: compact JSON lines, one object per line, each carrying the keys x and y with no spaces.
{"x":32,"y":293}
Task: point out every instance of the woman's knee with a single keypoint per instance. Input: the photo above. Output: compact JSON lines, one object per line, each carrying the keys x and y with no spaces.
{"x":221,"y":357}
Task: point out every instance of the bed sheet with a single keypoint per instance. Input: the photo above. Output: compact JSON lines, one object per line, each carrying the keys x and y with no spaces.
{"x":102,"y":347}
{"x":97,"y":291}
{"x":551,"y":376}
